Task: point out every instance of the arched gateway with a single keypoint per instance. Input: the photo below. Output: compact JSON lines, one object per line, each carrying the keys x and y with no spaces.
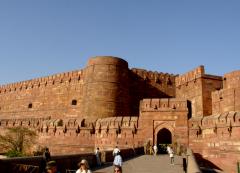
{"x":164,"y":136}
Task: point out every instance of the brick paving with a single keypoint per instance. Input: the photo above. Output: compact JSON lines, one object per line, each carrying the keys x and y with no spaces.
{"x":148,"y":164}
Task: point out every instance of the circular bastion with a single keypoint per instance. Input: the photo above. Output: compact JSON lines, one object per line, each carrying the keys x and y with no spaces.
{"x":105,"y":87}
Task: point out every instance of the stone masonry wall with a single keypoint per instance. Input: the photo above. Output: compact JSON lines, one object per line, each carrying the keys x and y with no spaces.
{"x":105,"y":88}
{"x":148,"y":84}
{"x":157,"y":114}
{"x":216,"y":138}
{"x":228,"y":98}
{"x":196,"y":86}
{"x":106,"y":104}
{"x":189,"y":86}
{"x":56,"y":96}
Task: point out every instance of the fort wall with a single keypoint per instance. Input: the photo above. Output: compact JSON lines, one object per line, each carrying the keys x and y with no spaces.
{"x":170,"y":114}
{"x":148,"y":84}
{"x":196,"y":86}
{"x":216,"y":138}
{"x":228,"y":98}
{"x":106,"y":104}
{"x":56,"y":96}
{"x":105,"y":88}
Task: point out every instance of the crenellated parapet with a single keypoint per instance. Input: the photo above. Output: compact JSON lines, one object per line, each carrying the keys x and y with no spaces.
{"x":43,"y":82}
{"x":116,"y":123}
{"x":25,"y":122}
{"x":49,"y":126}
{"x":163,"y":104}
{"x":225,"y":125}
{"x":114,"y":131}
{"x":190,"y":76}
{"x":155,"y":77}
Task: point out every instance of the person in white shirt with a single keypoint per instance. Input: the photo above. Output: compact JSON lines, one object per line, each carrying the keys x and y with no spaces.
{"x":118,"y":160}
{"x":168,"y":149}
{"x":115,"y":151}
{"x":155,"y":149}
{"x":171,"y":155}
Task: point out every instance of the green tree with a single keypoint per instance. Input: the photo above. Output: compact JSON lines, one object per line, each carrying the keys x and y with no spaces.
{"x":16,"y":140}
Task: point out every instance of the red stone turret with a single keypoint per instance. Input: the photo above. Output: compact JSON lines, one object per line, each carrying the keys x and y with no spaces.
{"x":105,"y":88}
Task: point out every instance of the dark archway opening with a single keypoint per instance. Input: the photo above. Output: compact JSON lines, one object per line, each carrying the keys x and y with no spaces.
{"x":164,"y":138}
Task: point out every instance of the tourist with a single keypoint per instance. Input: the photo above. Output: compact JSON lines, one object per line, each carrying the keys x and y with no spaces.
{"x":52,"y":167}
{"x":117,"y":160}
{"x":83,"y":167}
{"x":115,"y":151}
{"x":155,"y":149}
{"x":97,"y":154}
{"x":168,"y":149}
{"x":117,"y":169}
{"x":171,"y":154}
{"x":46,"y":155}
{"x":150,"y":149}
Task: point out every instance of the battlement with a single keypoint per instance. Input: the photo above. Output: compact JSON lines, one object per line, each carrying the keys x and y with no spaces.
{"x":117,"y":122}
{"x":163,"y":104}
{"x":107,"y":60}
{"x":190,"y":76}
{"x":224,"y":124}
{"x":43,"y":81}
{"x":157,"y":77}
{"x":232,"y":80}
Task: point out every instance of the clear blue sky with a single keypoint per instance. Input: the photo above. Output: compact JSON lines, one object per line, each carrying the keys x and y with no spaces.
{"x":43,"y":37}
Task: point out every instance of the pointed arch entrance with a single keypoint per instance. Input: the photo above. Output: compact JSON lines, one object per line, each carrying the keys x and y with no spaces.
{"x":164,"y":136}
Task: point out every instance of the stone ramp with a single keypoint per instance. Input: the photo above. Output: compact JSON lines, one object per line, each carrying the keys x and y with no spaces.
{"x":148,"y":164}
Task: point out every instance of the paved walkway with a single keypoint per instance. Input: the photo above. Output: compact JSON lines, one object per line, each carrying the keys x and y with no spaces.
{"x":148,"y":164}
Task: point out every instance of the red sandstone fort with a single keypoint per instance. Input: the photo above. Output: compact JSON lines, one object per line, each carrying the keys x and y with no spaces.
{"x":107,"y":104}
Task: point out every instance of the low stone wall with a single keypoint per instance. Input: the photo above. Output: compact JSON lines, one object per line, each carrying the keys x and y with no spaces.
{"x":192,"y":165}
{"x":65,"y":161}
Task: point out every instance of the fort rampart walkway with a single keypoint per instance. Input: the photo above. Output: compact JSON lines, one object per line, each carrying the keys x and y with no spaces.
{"x":148,"y":164}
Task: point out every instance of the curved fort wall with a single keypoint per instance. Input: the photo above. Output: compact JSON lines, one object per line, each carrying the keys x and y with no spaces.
{"x":105,"y":88}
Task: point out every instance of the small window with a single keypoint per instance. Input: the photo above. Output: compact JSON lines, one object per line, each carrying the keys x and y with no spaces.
{"x":74,"y":102}
{"x":30,"y":105}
